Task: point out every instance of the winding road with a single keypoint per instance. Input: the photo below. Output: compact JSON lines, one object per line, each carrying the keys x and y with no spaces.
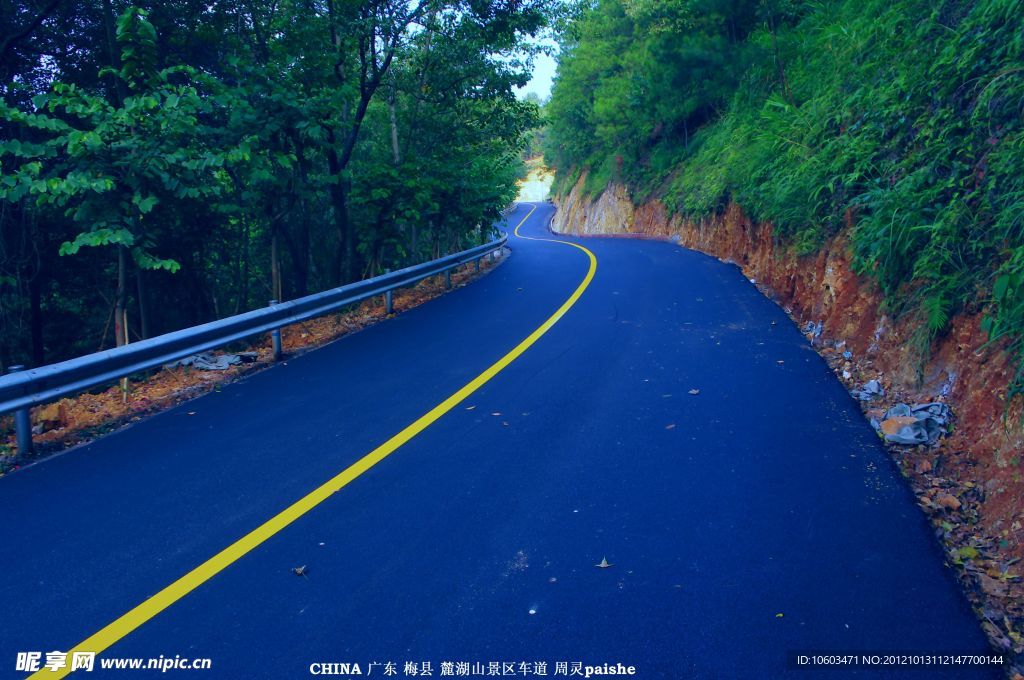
{"x":450,"y":479}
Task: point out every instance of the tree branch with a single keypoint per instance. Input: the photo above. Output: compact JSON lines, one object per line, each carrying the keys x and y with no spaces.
{"x":11,"y":40}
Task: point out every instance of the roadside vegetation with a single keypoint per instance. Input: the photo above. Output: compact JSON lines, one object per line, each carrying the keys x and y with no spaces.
{"x":905,"y":117}
{"x":165,"y":164}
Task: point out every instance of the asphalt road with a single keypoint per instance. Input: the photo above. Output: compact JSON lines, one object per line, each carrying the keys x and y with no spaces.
{"x":757,"y":518}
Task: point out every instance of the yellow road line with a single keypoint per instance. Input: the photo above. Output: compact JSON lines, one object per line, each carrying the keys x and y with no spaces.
{"x":143,"y":612}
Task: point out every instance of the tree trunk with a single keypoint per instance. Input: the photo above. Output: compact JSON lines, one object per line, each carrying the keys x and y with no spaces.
{"x":243,"y":295}
{"x":113,"y":55}
{"x":121,"y":311}
{"x":35,"y":293}
{"x":120,"y":329}
{"x":242,"y":267}
{"x":344,"y":259}
{"x":342,"y":265}
{"x":395,"y":153}
{"x":275,"y":263}
{"x":140,"y":291}
{"x":422,"y":79}
{"x":299,"y":247}
{"x":369,"y":80}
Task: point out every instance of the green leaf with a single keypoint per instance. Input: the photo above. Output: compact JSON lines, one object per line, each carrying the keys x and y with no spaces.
{"x":96,"y":238}
{"x":147,"y":261}
{"x":1000,"y":288}
{"x":987,"y":325}
{"x":967,"y":553}
{"x":145,"y":205}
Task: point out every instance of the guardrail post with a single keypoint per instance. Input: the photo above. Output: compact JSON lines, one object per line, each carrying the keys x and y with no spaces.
{"x":276,"y":337}
{"x":22,"y":423}
{"x":477,"y":264}
{"x":389,"y":303}
{"x":448,"y":279}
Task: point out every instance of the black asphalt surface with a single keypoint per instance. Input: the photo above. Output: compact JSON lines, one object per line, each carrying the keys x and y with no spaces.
{"x":753,"y":520}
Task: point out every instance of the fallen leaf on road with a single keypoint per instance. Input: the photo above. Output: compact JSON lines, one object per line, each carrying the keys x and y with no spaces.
{"x":603,"y":564}
{"x":694,"y":391}
{"x":670,"y":426}
{"x":895,"y":424}
{"x":299,"y":571}
{"x":470,"y":408}
{"x":191,"y":413}
{"x":496,"y":413}
{"x":993,"y":587}
{"x":948,"y":501}
{"x":779,"y":615}
{"x":967,"y":553}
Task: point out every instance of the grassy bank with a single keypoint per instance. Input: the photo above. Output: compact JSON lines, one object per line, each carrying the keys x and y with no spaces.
{"x":903,"y":117}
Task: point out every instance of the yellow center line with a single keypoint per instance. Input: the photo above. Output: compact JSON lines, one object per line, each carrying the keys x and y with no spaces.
{"x":127,"y":623}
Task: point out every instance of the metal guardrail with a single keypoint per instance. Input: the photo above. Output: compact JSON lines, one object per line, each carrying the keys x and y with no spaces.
{"x":21,"y":389}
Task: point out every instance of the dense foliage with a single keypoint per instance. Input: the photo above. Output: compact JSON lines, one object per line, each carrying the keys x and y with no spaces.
{"x":907,"y":115}
{"x":163,"y":164}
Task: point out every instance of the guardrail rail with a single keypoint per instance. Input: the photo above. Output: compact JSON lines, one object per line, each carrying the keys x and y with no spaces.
{"x":23,"y":388}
